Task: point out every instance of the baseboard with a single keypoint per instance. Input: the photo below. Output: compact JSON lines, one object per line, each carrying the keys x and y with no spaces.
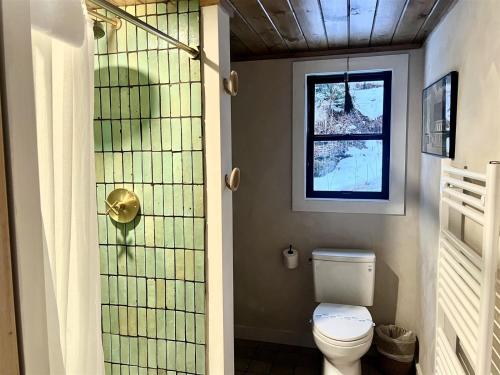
{"x":273,"y":335}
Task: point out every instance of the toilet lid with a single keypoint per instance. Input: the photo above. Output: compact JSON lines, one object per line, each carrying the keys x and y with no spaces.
{"x":342,"y":322}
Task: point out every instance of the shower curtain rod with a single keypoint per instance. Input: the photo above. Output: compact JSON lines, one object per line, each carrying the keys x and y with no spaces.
{"x":115,"y":22}
{"x":193,"y":52}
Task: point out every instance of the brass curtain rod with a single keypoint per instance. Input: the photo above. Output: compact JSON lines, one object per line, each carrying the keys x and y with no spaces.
{"x":193,"y":52}
{"x":115,"y":22}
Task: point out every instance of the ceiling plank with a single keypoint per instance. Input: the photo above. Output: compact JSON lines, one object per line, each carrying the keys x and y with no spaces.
{"x":247,"y":35}
{"x":386,"y":20}
{"x":310,"y":19}
{"x":263,"y":26}
{"x":440,"y":9}
{"x":335,"y":16}
{"x":412,"y":19}
{"x":362,"y":14}
{"x":238,"y":48}
{"x":282,"y":15}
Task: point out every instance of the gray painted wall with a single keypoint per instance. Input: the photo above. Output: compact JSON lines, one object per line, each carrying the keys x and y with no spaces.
{"x":466,"y":41}
{"x":271,"y":302}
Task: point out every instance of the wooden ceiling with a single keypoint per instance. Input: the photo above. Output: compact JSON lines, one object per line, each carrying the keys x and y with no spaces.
{"x":287,"y":28}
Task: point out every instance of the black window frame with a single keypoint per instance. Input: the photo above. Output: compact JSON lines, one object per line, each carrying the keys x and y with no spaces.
{"x":385,"y":136}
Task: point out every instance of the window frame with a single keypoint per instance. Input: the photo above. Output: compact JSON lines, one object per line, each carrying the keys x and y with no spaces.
{"x":406,"y":91}
{"x":385,"y":136}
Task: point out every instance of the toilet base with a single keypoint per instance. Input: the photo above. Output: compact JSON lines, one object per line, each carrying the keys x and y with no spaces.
{"x":351,"y":368}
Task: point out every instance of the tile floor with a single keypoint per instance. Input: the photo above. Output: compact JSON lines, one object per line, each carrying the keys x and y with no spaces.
{"x":252,"y":357}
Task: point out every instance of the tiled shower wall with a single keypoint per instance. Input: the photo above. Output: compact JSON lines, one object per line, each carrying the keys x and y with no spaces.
{"x":148,"y":138}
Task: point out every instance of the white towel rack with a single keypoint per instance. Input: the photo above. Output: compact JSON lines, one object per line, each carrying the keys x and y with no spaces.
{"x":466,"y":277}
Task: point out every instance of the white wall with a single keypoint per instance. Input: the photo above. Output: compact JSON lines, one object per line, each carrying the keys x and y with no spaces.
{"x":467,"y":41}
{"x":271,"y":302}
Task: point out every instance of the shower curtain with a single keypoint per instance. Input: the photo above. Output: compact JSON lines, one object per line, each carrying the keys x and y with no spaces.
{"x":63,"y":76}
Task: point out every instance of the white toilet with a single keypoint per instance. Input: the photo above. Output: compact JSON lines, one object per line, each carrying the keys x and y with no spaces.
{"x":342,"y":325}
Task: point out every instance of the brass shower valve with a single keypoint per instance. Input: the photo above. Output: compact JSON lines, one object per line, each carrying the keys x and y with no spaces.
{"x":124,"y":207}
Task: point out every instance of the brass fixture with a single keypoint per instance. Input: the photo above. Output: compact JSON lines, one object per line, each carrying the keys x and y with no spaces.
{"x":123,"y":205}
{"x":233,"y":180}
{"x":231,"y":84}
{"x":124,"y":15}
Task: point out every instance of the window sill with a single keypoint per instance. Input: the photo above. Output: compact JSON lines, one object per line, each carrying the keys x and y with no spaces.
{"x":351,"y":206}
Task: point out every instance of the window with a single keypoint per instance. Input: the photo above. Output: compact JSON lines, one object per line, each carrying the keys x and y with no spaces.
{"x":368,"y":145}
{"x":348,"y":135}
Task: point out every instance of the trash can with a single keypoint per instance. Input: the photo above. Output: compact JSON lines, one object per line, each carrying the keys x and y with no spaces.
{"x":396,"y":347}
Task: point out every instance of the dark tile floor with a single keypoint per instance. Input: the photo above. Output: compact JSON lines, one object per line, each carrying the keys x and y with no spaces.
{"x":252,"y":357}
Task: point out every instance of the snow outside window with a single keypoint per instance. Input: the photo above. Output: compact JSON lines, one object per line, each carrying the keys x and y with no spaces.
{"x":348,"y":135}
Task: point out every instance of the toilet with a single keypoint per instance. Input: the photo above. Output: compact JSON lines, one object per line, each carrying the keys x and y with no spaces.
{"x":342,"y":325}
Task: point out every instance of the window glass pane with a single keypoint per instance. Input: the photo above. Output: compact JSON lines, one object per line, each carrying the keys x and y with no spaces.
{"x":359,"y":112}
{"x":348,"y":166}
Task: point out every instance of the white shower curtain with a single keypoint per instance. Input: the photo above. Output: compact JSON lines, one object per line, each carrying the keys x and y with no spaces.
{"x":64,"y":101}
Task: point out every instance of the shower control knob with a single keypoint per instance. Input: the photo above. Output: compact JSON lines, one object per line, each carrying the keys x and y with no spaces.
{"x":123,"y":205}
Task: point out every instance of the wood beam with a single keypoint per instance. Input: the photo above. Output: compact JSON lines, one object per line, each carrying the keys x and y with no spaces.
{"x":330,"y":52}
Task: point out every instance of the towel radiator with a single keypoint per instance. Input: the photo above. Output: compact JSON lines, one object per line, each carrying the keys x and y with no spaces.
{"x":467,"y":277}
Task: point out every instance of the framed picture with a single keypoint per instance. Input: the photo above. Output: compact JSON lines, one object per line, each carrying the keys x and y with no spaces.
{"x":439,"y":116}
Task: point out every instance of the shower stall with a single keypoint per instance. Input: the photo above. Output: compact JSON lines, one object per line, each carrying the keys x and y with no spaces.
{"x":149,"y":140}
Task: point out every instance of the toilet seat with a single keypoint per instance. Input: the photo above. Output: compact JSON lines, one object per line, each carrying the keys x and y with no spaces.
{"x":343,"y":325}
{"x":343,"y":344}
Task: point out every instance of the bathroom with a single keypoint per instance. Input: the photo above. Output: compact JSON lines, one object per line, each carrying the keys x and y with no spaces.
{"x":165,"y":210}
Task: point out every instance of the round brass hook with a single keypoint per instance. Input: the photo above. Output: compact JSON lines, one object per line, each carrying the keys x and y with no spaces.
{"x":231,"y":84}
{"x":233,"y":180}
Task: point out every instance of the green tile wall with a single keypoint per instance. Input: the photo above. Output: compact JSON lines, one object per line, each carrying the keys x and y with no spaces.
{"x":148,"y":138}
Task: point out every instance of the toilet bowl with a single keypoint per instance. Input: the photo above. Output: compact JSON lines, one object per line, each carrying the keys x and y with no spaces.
{"x":343,"y":333}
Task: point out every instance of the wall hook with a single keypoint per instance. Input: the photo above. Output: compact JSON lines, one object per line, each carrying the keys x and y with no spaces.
{"x":231,"y":84}
{"x":123,"y":205}
{"x":233,"y":180}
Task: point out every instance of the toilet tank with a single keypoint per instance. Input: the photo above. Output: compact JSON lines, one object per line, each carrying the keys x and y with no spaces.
{"x":344,"y":276}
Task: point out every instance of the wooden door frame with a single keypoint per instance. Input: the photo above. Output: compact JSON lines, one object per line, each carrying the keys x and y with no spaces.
{"x":219,"y":212}
{"x":9,"y":355}
{"x":23,"y":190}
